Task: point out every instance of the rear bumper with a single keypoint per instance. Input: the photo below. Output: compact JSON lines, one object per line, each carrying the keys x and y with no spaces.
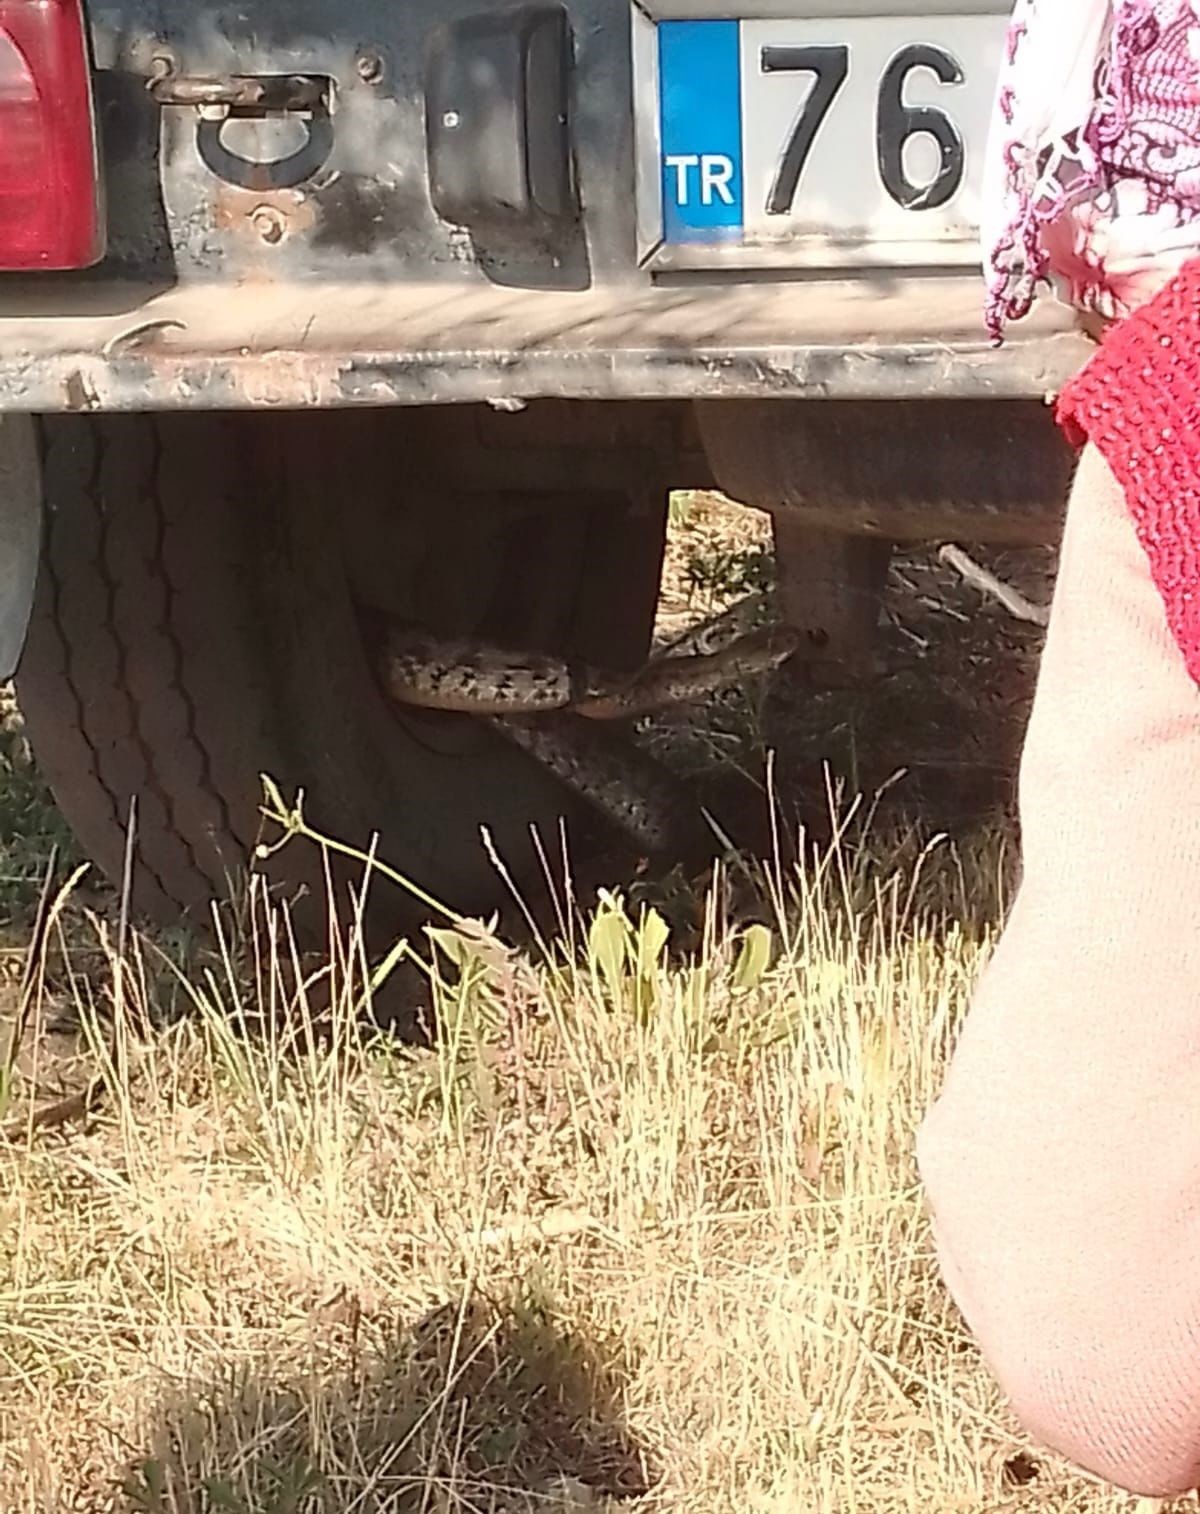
{"x":395,"y":264}
{"x":319,"y":345}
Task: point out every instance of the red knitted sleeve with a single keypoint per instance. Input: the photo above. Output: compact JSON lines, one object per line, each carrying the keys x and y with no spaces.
{"x":1138,"y":401}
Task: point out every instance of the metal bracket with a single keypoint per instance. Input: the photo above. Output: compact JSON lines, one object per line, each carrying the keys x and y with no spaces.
{"x":245,"y":94}
{"x":278,"y":173}
{"x":220,"y":99}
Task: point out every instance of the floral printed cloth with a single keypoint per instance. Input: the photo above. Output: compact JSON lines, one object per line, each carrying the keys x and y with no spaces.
{"x":1093,"y":175}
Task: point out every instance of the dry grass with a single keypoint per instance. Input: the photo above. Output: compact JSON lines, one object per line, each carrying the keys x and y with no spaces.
{"x":641,"y":1231}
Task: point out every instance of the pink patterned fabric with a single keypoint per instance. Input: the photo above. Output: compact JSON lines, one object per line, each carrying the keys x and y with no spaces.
{"x":1094,"y":179}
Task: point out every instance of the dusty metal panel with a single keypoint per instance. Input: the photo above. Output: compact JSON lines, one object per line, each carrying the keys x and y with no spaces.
{"x":368,"y":206}
{"x":291,"y":345}
{"x":82,"y":382}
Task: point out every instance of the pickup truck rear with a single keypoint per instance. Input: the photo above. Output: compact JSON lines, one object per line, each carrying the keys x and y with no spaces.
{"x":339,"y":317}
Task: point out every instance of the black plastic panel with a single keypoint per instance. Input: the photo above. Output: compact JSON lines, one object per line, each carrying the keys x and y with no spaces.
{"x":497,"y":128}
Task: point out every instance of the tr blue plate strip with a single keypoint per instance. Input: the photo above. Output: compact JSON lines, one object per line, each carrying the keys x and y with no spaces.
{"x":700,"y":90}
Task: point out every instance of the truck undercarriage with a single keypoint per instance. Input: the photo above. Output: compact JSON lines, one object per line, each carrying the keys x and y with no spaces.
{"x":413,"y":317}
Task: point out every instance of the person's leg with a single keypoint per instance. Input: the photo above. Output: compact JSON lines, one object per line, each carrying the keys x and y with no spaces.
{"x":1062,"y":1161}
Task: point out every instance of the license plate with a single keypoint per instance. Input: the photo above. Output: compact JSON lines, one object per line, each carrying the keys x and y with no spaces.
{"x":819,"y":141}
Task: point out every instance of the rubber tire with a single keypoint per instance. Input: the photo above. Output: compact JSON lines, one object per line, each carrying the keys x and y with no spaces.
{"x":194,"y":628}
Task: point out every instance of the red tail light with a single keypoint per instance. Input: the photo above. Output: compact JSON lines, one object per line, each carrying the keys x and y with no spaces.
{"x":49,"y":179}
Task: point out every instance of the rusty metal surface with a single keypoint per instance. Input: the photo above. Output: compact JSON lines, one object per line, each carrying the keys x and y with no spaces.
{"x":259,"y":94}
{"x":285,"y":345}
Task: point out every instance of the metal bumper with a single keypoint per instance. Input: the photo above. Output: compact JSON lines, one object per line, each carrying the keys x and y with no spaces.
{"x":297,"y":345}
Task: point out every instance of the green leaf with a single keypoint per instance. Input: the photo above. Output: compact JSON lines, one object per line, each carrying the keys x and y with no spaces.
{"x":145,"y":1487}
{"x":608,"y":942}
{"x":221,"y":1496}
{"x":653,"y":935}
{"x":454,"y":947}
{"x":754,"y":957}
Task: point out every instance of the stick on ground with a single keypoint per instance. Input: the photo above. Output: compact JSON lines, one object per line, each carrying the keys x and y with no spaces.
{"x":987,"y":583}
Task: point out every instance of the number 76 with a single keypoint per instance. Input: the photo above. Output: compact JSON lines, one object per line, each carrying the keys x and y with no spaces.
{"x":895,"y":121}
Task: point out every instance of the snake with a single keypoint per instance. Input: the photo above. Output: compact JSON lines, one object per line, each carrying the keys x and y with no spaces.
{"x":561,"y":713}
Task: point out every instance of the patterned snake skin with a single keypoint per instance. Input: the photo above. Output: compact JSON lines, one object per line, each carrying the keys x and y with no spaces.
{"x":556,"y":711}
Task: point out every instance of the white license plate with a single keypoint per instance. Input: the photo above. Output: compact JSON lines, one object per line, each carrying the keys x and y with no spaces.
{"x":817,"y":141}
